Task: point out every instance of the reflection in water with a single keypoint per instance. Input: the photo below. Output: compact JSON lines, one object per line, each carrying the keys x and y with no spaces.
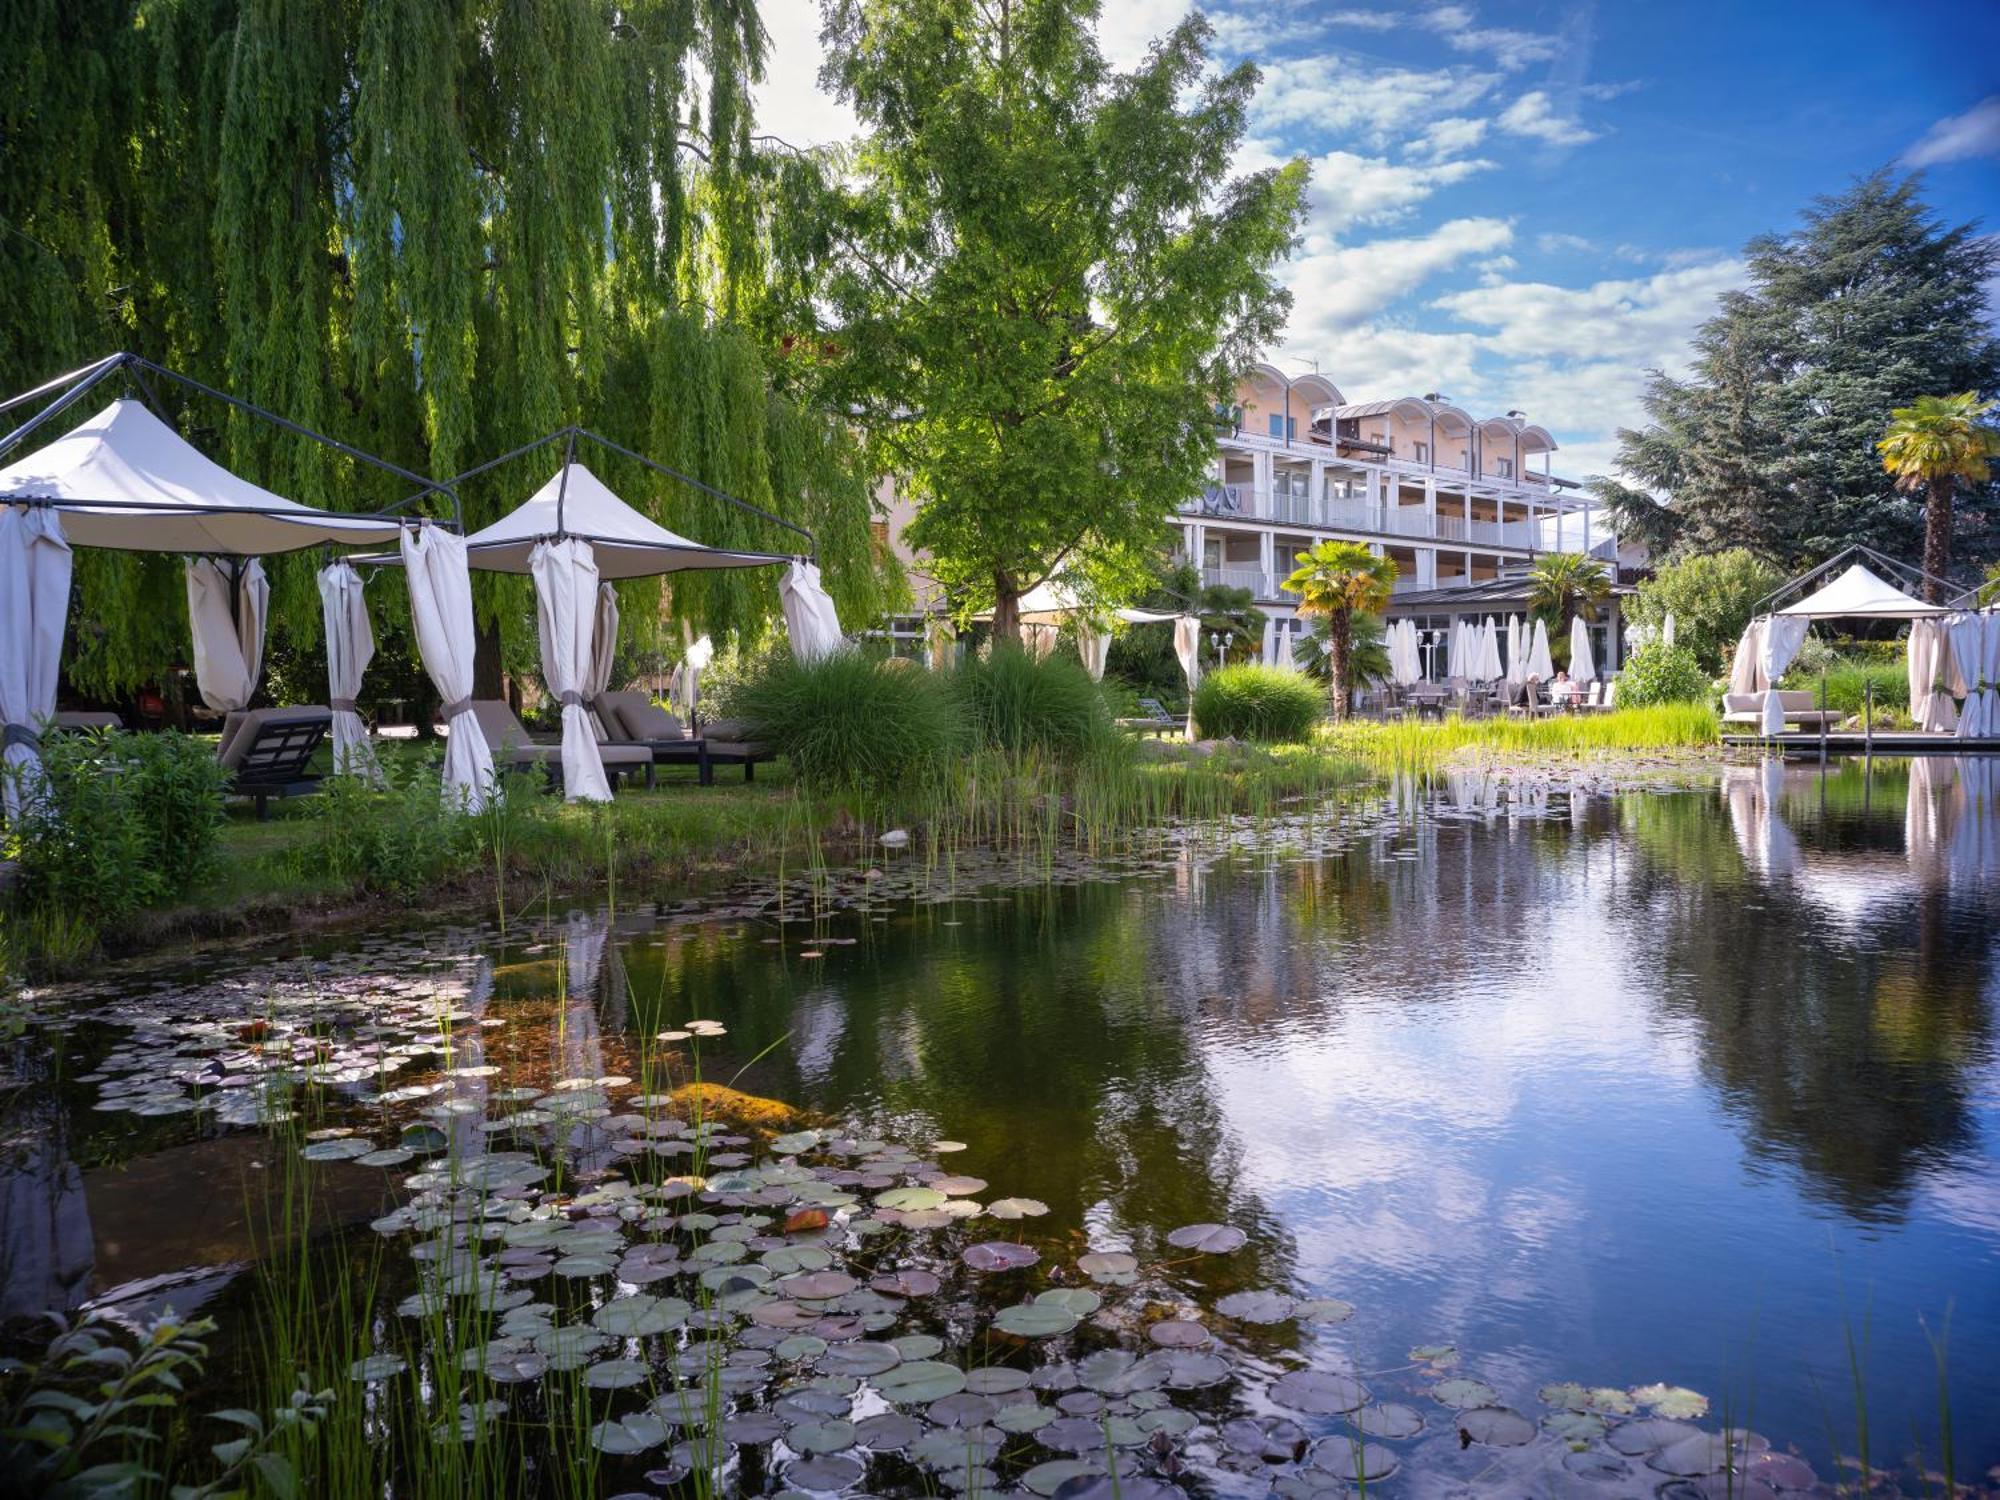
{"x":45,"y":1249}
{"x":1660,"y":1087}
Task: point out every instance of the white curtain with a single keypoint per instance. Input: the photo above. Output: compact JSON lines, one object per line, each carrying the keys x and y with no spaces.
{"x":228,"y":641}
{"x":810,"y":620}
{"x":1582,"y":662}
{"x":350,"y":646}
{"x":1187,"y":646}
{"x":1930,"y":677}
{"x":1667,"y":631}
{"x":565,"y":575}
{"x":1982,"y":700}
{"x":1094,"y":646}
{"x":1968,"y":657}
{"x":1783,"y":635}
{"x":1040,"y":640}
{"x":1743,"y":667}
{"x":603,"y":649}
{"x":34,"y":607}
{"x":441,"y":612}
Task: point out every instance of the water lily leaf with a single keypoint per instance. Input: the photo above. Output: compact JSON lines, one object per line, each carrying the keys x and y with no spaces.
{"x":1319,"y":1393}
{"x":1389,"y":1420}
{"x":999,"y":1255}
{"x":918,"y":1380}
{"x":1131,"y":1487}
{"x":1465,"y":1394}
{"x":339,"y":1150}
{"x":377,"y":1367}
{"x":835,"y":1436}
{"x":1109,"y":1267}
{"x":1034,"y":1320}
{"x":1023,"y":1417}
{"x":1442,"y":1356}
{"x":1361,"y":1462}
{"x":1567,"y":1393}
{"x":615,"y":1374}
{"x":890,"y":1432}
{"x":1046,"y":1479}
{"x":1576,"y":1427}
{"x":1275,"y":1440}
{"x":1209,"y":1239}
{"x":1496,"y":1426}
{"x":1079,"y":1300}
{"x":823,"y":1474}
{"x":795,"y":1142}
{"x":634,"y":1434}
{"x":910,"y":1199}
{"x":917,"y":1345}
{"x":1610,"y":1400}
{"x":1177,"y":1333}
{"x":906,"y":1283}
{"x":817,"y":1286}
{"x":640,"y":1316}
{"x":859,"y":1358}
{"x":1016,"y":1208}
{"x":1323,"y":1310}
{"x":394,"y":1156}
{"x":1256,"y":1307}
{"x":1674,"y":1401}
{"x":1648,"y":1434}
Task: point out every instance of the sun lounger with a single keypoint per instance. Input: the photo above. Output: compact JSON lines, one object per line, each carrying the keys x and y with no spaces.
{"x":514,"y":749}
{"x":86,"y":720}
{"x":268,"y":752}
{"x":1152,"y":718}
{"x":635,"y":719}
{"x":729,"y":744}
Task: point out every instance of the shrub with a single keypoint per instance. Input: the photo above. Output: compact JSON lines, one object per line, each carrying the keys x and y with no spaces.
{"x":1659,"y":673}
{"x":86,"y":851}
{"x":179,"y":795}
{"x":852,"y":719}
{"x":1015,"y":703}
{"x":1847,"y":682}
{"x":400,"y":841}
{"x":1258,"y":703}
{"x":1710,"y":596}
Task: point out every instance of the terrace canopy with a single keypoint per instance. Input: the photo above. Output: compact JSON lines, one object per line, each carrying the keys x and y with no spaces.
{"x":126,"y":479}
{"x":1051,"y":602}
{"x":574,"y":535}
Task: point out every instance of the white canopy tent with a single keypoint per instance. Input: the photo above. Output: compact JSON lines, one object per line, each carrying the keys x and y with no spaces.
{"x":1052,"y":603}
{"x":126,"y":479}
{"x":1859,"y":591}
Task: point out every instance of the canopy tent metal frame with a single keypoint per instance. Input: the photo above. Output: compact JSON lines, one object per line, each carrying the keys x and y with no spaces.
{"x":1905,"y":576}
{"x":77,"y":383}
{"x":569,"y":436}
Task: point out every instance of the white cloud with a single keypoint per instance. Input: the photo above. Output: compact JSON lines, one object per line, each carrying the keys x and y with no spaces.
{"x":1342,"y":287}
{"x":1365,"y":20}
{"x":1127,"y":28}
{"x":1335,"y":95}
{"x":1512,"y":50}
{"x":1450,"y":136}
{"x":1959,"y":137}
{"x":1639,"y":322}
{"x":1531,"y":116}
{"x":1559,"y":243}
{"x":1349,"y":190}
{"x":789,"y":102}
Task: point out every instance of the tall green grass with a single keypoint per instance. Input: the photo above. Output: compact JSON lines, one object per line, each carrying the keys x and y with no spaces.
{"x":1258,"y":703}
{"x":1417,"y":743}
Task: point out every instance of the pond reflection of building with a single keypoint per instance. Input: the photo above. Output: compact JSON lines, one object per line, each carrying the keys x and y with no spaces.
{"x":45,"y":1237}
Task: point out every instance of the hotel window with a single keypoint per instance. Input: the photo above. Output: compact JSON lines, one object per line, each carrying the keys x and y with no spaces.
{"x":1423,"y":452}
{"x":1283,"y":426}
{"x":1504,"y":467}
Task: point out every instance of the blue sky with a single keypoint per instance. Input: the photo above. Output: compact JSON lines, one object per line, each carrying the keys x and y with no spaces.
{"x":1527,"y":205}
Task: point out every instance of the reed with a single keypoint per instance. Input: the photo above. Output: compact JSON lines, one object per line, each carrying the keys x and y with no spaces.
{"x":1420,"y":744}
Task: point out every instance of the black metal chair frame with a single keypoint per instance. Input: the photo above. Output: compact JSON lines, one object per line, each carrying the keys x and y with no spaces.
{"x":276,"y":764}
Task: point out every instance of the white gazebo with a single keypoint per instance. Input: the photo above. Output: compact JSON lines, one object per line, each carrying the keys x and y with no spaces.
{"x":125,"y":478}
{"x":1867,"y":588}
{"x":573,"y":536}
{"x":1050,"y":604}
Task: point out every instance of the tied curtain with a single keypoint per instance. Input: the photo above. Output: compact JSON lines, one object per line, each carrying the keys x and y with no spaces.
{"x":1187,"y":647}
{"x":441,"y":612}
{"x":1743,"y":665}
{"x":1975,"y":649}
{"x":603,"y":652}
{"x":34,"y":609}
{"x":565,"y":574}
{"x":1780,"y":642}
{"x":1040,"y":640}
{"x":350,"y":646}
{"x":226,"y":609}
{"x":1931,"y":674}
{"x":810,"y":620}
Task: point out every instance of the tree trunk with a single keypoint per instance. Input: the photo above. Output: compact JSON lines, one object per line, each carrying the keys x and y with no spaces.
{"x":1339,"y":637}
{"x":1006,"y":608}
{"x":1937,"y":536}
{"x":486,"y":674}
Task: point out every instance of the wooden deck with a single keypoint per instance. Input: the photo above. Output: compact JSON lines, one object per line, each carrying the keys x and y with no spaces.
{"x":1852,"y":742}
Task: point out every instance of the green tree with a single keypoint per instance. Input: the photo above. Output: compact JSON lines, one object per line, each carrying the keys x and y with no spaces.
{"x":1563,"y":585}
{"x":1337,"y":581}
{"x":1037,"y":280}
{"x":1931,"y":446}
{"x":1768,"y":442}
{"x":1367,"y":651}
{"x":1711,"y":596}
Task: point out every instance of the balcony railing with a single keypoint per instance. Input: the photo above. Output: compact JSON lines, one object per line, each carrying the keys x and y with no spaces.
{"x":1242,"y":502}
{"x":1239,"y":576}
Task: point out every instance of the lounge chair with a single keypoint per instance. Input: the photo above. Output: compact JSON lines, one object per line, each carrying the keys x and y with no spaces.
{"x":1747,"y":709}
{"x":729,"y":744}
{"x":1152,"y":718}
{"x":514,"y":749}
{"x":268,"y":752}
{"x":635,"y":719}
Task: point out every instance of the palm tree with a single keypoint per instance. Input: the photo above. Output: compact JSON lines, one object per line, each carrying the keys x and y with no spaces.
{"x":1563,"y":585}
{"x":1338,"y":580}
{"x":1930,"y":447}
{"x":1367,"y":652}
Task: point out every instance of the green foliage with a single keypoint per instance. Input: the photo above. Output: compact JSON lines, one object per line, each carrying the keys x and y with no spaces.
{"x":1931,"y":448}
{"x":1659,"y":673}
{"x":1563,"y":585}
{"x":1017,"y":704}
{"x":1848,"y":679}
{"x":1711,"y":596}
{"x":1414,"y":744}
{"x":179,"y":797}
{"x":1035,"y":278}
{"x":1367,"y":651}
{"x":1337,"y":581}
{"x":402,"y":841}
{"x":1257,"y":703}
{"x":853,"y":719}
{"x":1769,"y":443}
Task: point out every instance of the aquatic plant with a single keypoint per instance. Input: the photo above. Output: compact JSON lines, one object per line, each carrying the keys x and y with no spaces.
{"x":1419,"y":743}
{"x":1258,"y":703}
{"x":852,"y":719}
{"x":1020,"y":705}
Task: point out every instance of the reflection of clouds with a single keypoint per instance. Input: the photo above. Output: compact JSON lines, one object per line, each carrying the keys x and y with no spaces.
{"x":1966,"y":1193}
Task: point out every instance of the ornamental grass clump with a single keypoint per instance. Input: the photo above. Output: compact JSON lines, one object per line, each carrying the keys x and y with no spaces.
{"x":853,"y":719}
{"x":1015,"y":703}
{"x":1258,"y":703}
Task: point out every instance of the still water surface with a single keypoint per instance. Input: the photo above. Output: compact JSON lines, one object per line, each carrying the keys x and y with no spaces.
{"x":1663,"y":1086}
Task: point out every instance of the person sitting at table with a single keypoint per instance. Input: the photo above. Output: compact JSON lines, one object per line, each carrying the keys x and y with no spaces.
{"x":1560,"y":686}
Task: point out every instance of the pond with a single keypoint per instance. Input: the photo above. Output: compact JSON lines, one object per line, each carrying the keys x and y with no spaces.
{"x":1526,"y":1135}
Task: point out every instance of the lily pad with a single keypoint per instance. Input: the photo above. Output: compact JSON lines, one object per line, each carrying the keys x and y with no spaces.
{"x":1319,"y":1393}
{"x":634,"y":1434}
{"x":1034,"y":1320}
{"x":346,"y":1149}
{"x":616,"y":1374}
{"x":1208,"y":1239}
{"x":1574,"y":1427}
{"x":1389,"y":1420}
{"x":1496,"y":1426}
{"x":1256,"y":1307}
{"x":999,"y":1255}
{"x":1080,"y":1300}
{"x":834,"y":1436}
{"x":1109,"y":1267}
{"x":910,"y":1199}
{"x":1673,"y":1401}
{"x":1177,"y":1333}
{"x":377,"y":1367}
{"x":919,"y":1380}
{"x":1465,"y":1394}
{"x":1016,"y":1208}
{"x":640,"y":1316}
{"x":1359,"y":1462}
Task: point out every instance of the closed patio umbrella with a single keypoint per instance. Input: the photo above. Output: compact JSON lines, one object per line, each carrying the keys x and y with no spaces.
{"x":1405,"y":660}
{"x":1455,"y":650}
{"x":1490,"y":669}
{"x":1582,"y":665}
{"x":1517,"y":647}
{"x":1283,"y":656}
{"x":1541,"y":666}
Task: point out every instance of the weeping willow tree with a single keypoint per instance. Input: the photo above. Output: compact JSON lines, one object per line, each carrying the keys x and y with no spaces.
{"x":437,"y":229}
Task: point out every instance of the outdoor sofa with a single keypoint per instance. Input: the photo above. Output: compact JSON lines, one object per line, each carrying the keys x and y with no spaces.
{"x":635,"y":719}
{"x":514,"y":749}
{"x":1748,"y":709}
